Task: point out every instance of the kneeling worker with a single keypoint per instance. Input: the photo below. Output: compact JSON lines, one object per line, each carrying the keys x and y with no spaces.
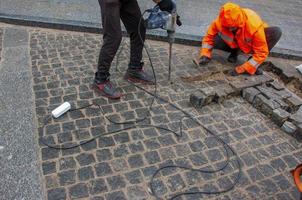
{"x":240,"y":29}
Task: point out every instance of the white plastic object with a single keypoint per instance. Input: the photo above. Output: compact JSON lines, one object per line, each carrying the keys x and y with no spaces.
{"x":299,"y":68}
{"x":63,"y":108}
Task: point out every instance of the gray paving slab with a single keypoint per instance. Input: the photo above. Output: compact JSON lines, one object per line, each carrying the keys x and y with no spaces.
{"x":19,"y":166}
{"x":15,"y":37}
{"x":196,"y":14}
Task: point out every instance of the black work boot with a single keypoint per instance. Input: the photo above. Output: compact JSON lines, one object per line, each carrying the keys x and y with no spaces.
{"x":233,"y":57}
{"x":136,"y":74}
{"x":259,"y":71}
{"x":106,"y":88}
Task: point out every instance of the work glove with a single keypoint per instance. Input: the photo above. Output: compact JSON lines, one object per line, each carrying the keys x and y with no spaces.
{"x":166,"y":5}
{"x":178,"y":22}
{"x":204,"y":60}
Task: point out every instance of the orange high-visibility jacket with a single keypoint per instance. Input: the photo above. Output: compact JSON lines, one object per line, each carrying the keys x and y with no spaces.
{"x":250,"y":36}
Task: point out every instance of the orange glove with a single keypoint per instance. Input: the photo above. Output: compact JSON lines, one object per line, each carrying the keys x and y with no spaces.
{"x":246,"y":67}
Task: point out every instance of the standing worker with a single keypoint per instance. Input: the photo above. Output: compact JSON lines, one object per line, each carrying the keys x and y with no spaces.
{"x":129,"y":12}
{"x":240,"y":29}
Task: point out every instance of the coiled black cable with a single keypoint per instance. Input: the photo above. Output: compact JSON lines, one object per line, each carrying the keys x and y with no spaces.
{"x":134,"y":124}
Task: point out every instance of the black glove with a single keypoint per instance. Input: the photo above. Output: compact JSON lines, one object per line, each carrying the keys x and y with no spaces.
{"x":166,"y":5}
{"x":178,"y":22}
{"x":204,"y":60}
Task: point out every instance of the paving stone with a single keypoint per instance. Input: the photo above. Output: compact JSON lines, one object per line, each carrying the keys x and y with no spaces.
{"x":89,"y":146}
{"x":51,"y":182}
{"x":249,"y":159}
{"x":79,"y":191}
{"x":56,"y":194}
{"x":134,"y":177}
{"x":85,"y":173}
{"x":266,"y":170}
{"x":53,"y":129}
{"x":279,"y":116}
{"x":214,"y":155}
{"x":278,"y":164}
{"x":182,"y":149}
{"x":121,"y":138}
{"x":48,"y":153}
{"x":103,"y":169}
{"x":152,"y":157}
{"x":296,"y":118}
{"x":116,"y":195}
{"x":97,"y":186}
{"x":258,"y":101}
{"x":241,"y":83}
{"x":103,"y":155}
{"x":255,"y":174}
{"x":152,"y":143}
{"x":120,"y":151}
{"x":159,"y":187}
{"x":136,"y":193}
{"x":65,"y":137}
{"x":295,"y":102}
{"x":197,"y":146}
{"x":48,"y":167}
{"x":119,"y":165}
{"x":289,"y":127}
{"x":67,"y":177}
{"x":106,"y":142}
{"x":116,"y":182}
{"x":175,"y":183}
{"x":136,"y":147}
{"x":276,"y":85}
{"x":202,"y":97}
{"x":268,"y":186}
{"x":268,"y":92}
{"x":136,"y":161}
{"x":250,"y":93}
{"x":198,"y":159}
{"x":149,"y":171}
{"x":85,"y":159}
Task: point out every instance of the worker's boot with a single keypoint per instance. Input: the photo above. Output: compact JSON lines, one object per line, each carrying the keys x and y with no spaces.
{"x":233,"y":57}
{"x":259,"y":71}
{"x":136,"y":74}
{"x":106,"y":88}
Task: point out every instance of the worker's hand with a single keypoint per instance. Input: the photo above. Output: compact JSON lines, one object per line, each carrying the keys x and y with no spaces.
{"x":166,"y":5}
{"x":204,"y":60}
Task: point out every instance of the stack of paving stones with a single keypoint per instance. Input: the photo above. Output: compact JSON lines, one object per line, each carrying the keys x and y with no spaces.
{"x":282,"y":105}
{"x":120,"y":166}
{"x":228,"y":88}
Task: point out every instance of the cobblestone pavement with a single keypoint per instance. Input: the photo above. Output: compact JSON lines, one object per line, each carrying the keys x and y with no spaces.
{"x":120,"y":166}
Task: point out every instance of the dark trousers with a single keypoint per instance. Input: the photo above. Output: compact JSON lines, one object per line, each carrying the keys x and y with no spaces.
{"x":129,"y":12}
{"x":272,"y":34}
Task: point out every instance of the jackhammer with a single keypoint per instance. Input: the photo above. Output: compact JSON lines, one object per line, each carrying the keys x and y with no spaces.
{"x":166,"y":21}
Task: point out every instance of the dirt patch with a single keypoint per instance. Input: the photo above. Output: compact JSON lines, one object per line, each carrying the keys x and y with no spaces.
{"x":294,"y":84}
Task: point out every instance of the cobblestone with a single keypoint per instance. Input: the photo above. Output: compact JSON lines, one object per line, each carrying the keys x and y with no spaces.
{"x":120,"y":166}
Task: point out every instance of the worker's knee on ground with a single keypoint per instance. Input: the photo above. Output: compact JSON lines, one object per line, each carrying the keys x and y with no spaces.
{"x":277,"y":32}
